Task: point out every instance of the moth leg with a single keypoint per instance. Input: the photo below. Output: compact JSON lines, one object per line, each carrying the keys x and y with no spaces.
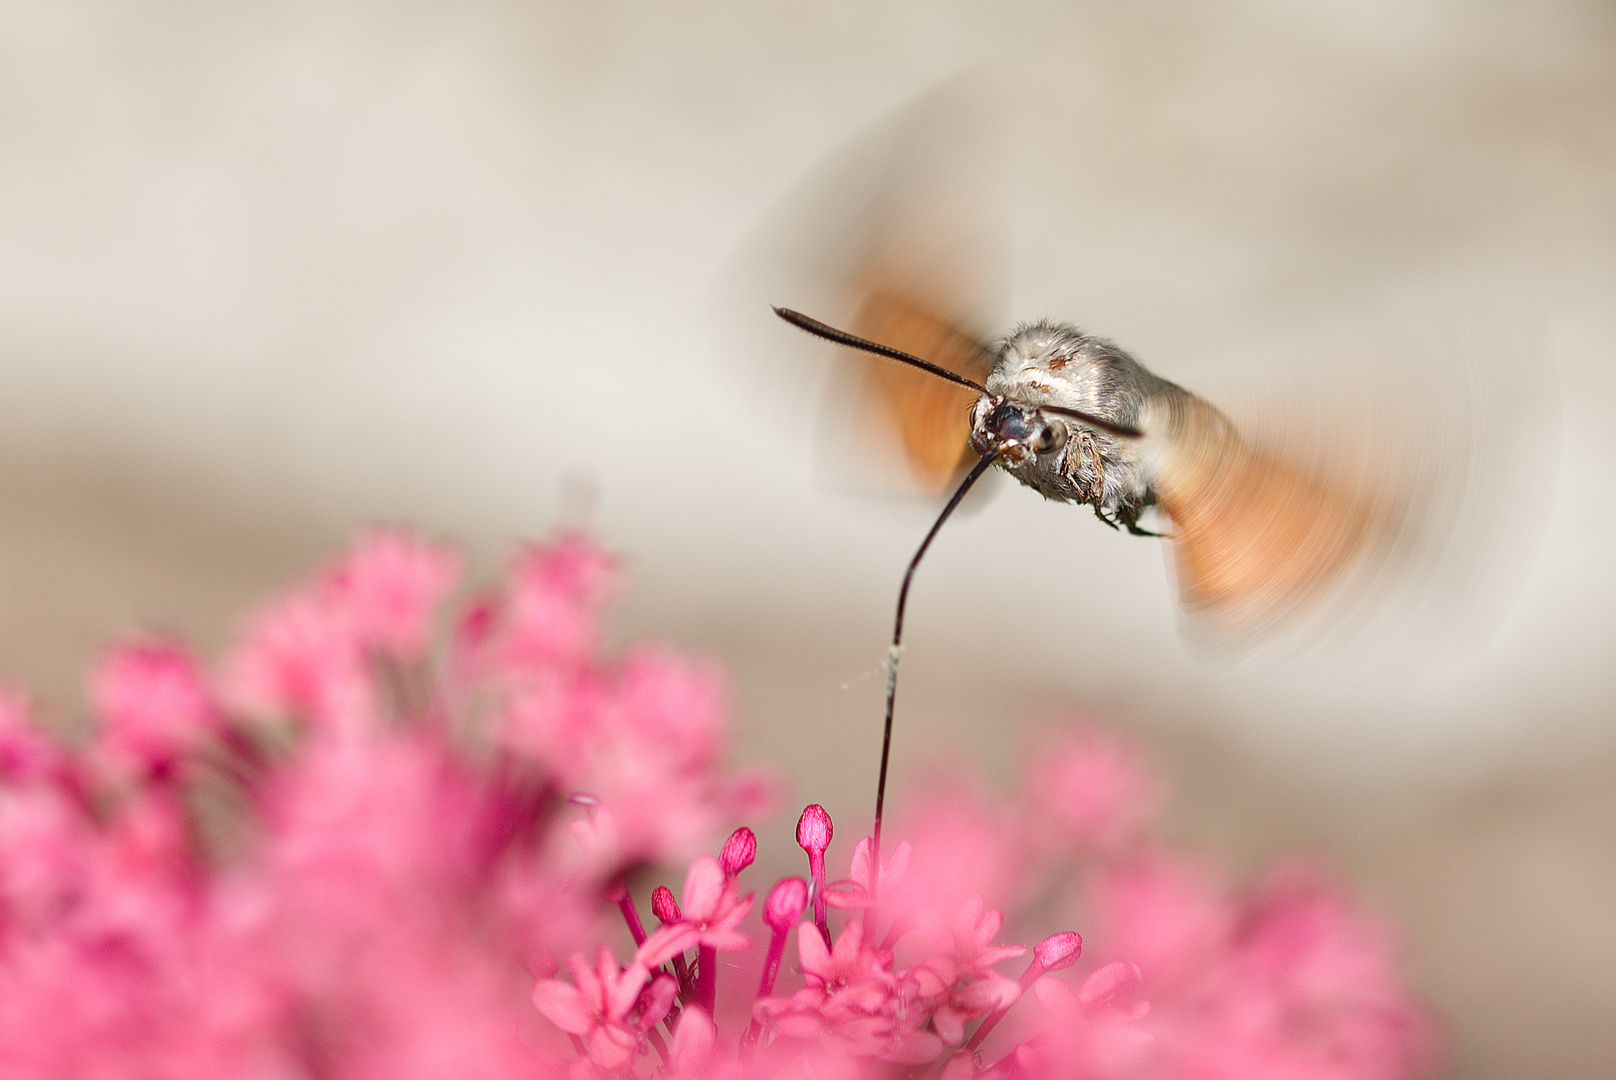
{"x":1130,"y":521}
{"x":1101,"y":515}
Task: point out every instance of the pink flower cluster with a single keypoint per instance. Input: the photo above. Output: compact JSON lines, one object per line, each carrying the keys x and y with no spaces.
{"x":390,"y":837}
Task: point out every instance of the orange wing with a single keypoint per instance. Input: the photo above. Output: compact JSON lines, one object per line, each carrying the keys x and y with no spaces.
{"x":930,"y":417}
{"x":1255,"y":537}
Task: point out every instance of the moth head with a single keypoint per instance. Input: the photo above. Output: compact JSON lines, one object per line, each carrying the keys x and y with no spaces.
{"x":1021,"y":434}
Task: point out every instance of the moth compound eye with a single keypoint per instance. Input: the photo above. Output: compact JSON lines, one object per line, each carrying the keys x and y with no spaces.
{"x":1051,"y":437}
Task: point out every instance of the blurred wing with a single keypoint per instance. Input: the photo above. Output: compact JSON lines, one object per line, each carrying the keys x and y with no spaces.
{"x":926,"y":417}
{"x":898,"y":238}
{"x":1255,"y":537}
{"x":1350,"y":502}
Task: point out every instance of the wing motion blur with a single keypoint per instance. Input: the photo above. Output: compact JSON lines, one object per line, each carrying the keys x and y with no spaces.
{"x":1326,"y":493}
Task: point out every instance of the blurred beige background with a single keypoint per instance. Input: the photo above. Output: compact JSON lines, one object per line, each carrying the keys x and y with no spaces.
{"x":272,"y":271}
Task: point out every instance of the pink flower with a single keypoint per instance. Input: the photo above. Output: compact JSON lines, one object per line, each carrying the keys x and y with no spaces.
{"x":853,"y":1002}
{"x":389,"y":584}
{"x":961,"y":846}
{"x":967,"y":943}
{"x":694,"y":1053}
{"x":1313,"y":985}
{"x":1166,"y":914}
{"x":849,"y":963}
{"x":26,"y":753}
{"x":299,"y":659}
{"x":386,"y":886}
{"x":152,"y":704}
{"x":965,"y":1000}
{"x":556,"y":595}
{"x":1085,"y":1037}
{"x":860,"y":889}
{"x":1092,"y":787}
{"x":710,"y":909}
{"x":596,"y":1005}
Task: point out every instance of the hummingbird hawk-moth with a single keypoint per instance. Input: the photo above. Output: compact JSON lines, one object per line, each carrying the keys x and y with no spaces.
{"x":1339,"y":486}
{"x":1076,"y":418}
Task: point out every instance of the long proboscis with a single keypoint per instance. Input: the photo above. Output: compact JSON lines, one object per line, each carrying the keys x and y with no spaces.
{"x":897,"y":651}
{"x":853,"y":341}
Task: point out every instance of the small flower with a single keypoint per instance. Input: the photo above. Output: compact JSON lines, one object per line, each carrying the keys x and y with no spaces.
{"x":709,"y":913}
{"x":299,"y":659}
{"x":596,"y":1005}
{"x":860,"y":889}
{"x":26,"y":752}
{"x":967,"y":944}
{"x":1090,"y":787}
{"x":556,"y":594}
{"x":390,"y":584}
{"x":694,"y":1053}
{"x":152,"y":705}
{"x":360,"y":888}
{"x":852,"y":1001}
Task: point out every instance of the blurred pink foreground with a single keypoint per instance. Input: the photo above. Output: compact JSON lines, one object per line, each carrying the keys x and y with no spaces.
{"x":348,"y":853}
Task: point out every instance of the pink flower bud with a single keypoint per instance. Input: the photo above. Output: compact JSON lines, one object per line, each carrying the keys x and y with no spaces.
{"x":785,"y":904}
{"x":814,"y":829}
{"x":664,"y":906}
{"x":1058,"y":950}
{"x":739,"y":851}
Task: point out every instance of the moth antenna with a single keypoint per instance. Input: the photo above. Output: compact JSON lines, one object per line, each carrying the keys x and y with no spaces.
{"x":852,"y":341}
{"x":896,"y":652}
{"x":1093,"y":421}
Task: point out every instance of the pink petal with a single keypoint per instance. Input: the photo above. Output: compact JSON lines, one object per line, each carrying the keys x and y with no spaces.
{"x":1110,"y":987}
{"x":950,"y":1024}
{"x":589,"y":986}
{"x":562,"y":1005}
{"x":726,"y":940}
{"x":704,"y":887}
{"x":846,"y":893}
{"x":657,"y":1000}
{"x":997,"y":954}
{"x":733,"y":914}
{"x":969,"y":916}
{"x":860,"y":870}
{"x":625,"y":989}
{"x":666,"y":943}
{"x":692,"y":1039}
{"x":813,"y":954}
{"x":985,"y":995}
{"x":1054,"y":995}
{"x":852,"y":940}
{"x":611,"y":1047}
{"x":916,"y":1048}
{"x":898,"y":863}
